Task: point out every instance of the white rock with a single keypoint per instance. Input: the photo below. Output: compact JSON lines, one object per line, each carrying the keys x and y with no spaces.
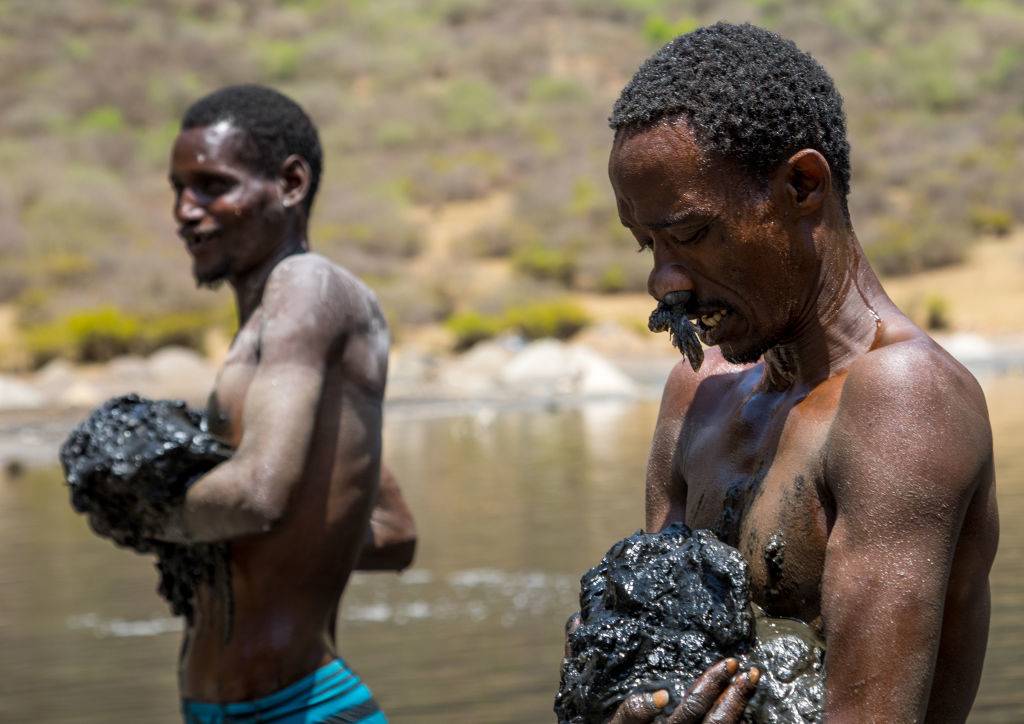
{"x":966,"y":346}
{"x":55,"y":374}
{"x":551,"y":367}
{"x":179,"y":373}
{"x":176,"y":362}
{"x":476,"y":371}
{"x":81,"y":394}
{"x":18,"y":395}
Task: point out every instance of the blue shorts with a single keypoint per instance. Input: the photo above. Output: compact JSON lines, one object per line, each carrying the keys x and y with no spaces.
{"x":332,"y":693}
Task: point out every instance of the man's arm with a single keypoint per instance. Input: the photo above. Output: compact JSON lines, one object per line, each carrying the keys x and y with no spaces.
{"x":665,"y":488}
{"x":249,"y":493}
{"x":908,"y":445}
{"x":391,"y":536}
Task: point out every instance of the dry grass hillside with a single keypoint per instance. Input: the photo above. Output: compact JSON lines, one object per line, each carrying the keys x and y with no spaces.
{"x":465,"y":145}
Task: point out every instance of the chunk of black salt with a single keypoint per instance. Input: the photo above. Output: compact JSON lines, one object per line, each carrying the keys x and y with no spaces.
{"x":661,"y":608}
{"x":128,"y":466}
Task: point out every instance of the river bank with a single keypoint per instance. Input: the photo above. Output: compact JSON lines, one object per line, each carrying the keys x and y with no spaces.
{"x":606,"y":363}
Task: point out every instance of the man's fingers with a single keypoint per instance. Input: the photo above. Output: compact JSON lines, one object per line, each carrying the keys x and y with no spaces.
{"x":704,"y":692}
{"x":640,"y":707}
{"x":573,"y":623}
{"x":729,"y":707}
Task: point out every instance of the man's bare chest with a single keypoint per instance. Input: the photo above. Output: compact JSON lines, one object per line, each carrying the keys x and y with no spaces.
{"x":226,"y":403}
{"x":753,"y":475}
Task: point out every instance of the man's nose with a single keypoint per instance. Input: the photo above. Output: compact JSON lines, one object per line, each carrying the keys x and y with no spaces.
{"x":186,"y":209}
{"x":668,"y":277}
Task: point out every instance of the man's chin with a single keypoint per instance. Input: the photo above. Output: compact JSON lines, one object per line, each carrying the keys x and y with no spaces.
{"x":745,"y":355}
{"x":210,"y":279}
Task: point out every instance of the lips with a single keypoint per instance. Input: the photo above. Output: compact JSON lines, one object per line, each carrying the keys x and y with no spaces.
{"x":195,"y":241}
{"x":710,"y":323}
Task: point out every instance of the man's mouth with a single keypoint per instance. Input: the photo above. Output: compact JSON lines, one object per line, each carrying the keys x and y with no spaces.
{"x":711,"y":320}
{"x":709,"y":325}
{"x":195,"y":240}
{"x":688,"y":324}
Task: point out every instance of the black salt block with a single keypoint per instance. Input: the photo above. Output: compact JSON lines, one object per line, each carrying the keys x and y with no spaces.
{"x":661,"y":608}
{"x":128,"y":466}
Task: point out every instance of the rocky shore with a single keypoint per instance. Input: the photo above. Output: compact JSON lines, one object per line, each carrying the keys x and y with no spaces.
{"x":605,"y":362}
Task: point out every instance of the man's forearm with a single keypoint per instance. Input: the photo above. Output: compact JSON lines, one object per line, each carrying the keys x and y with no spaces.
{"x":219,"y":506}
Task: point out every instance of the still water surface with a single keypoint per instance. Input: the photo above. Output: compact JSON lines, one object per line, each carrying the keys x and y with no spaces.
{"x":511,"y":508}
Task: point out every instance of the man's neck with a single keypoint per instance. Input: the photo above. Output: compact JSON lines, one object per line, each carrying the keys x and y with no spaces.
{"x":249,"y":286}
{"x":839,"y":324}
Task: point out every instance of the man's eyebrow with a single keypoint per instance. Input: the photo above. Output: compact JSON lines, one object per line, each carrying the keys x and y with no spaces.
{"x":689,"y":217}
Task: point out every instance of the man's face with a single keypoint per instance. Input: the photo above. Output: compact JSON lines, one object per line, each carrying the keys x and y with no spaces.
{"x":229,"y":216}
{"x":713,"y":232}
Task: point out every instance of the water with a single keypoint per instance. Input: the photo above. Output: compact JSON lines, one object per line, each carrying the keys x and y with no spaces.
{"x":512,"y":507}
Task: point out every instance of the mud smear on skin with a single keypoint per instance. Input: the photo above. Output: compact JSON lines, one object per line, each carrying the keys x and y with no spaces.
{"x":670,"y":316}
{"x":128,"y":466}
{"x":661,"y":608}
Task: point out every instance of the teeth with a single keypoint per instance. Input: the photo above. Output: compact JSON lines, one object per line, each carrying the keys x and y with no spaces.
{"x":712,"y":320}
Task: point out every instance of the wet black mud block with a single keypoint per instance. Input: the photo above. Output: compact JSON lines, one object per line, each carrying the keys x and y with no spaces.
{"x":127,"y":466}
{"x":661,"y":608}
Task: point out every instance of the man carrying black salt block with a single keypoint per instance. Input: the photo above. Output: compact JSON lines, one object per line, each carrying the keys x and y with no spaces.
{"x":303,"y":501}
{"x":829,"y":439}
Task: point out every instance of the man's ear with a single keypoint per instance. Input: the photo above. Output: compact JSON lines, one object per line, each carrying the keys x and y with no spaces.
{"x":803,"y":182}
{"x":295,"y":178}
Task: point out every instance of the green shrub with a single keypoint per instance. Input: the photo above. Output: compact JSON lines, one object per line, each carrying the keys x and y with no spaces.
{"x":612,"y":271}
{"x":659,"y":30}
{"x":396,"y":132}
{"x":542,"y":262}
{"x":102,"y":119}
{"x":559,"y":318}
{"x":442,"y":178}
{"x":936,"y":309}
{"x":612,"y":280}
{"x":183,"y":329}
{"x":471,"y":107}
{"x":472,"y":327}
{"x":552,"y":89}
{"x":66,"y":267}
{"x":991,"y":220}
{"x":92,"y":335}
{"x":280,"y":59}
{"x":586,"y":198}
{"x":102,"y":333}
{"x":907,"y":246}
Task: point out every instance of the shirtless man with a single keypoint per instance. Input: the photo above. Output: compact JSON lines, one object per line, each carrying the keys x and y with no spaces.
{"x":844,"y":452}
{"x":300,"y":398}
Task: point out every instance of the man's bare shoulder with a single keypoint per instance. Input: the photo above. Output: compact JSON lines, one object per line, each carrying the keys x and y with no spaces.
{"x":911,"y":408}
{"x":683,"y":382}
{"x":914,"y":376}
{"x":311,"y":287}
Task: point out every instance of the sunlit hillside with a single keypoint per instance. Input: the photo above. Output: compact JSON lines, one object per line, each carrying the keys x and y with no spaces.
{"x":465,"y":142}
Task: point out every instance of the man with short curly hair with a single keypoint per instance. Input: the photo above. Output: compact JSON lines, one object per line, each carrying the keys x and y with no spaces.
{"x":845,"y":453}
{"x":304,"y":500}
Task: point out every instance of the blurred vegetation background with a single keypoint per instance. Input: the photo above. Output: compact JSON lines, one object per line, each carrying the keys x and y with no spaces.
{"x":465,"y":149}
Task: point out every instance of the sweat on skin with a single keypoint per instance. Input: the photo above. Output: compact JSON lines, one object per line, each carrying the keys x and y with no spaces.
{"x":841,"y":450}
{"x":299,"y":397}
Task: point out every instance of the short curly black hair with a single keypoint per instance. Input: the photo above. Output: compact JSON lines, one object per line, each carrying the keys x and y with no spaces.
{"x":276,"y":127}
{"x":747,"y":93}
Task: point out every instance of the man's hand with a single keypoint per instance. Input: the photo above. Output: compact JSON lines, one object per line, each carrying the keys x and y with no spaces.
{"x":391,"y":535}
{"x":718,"y":696}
